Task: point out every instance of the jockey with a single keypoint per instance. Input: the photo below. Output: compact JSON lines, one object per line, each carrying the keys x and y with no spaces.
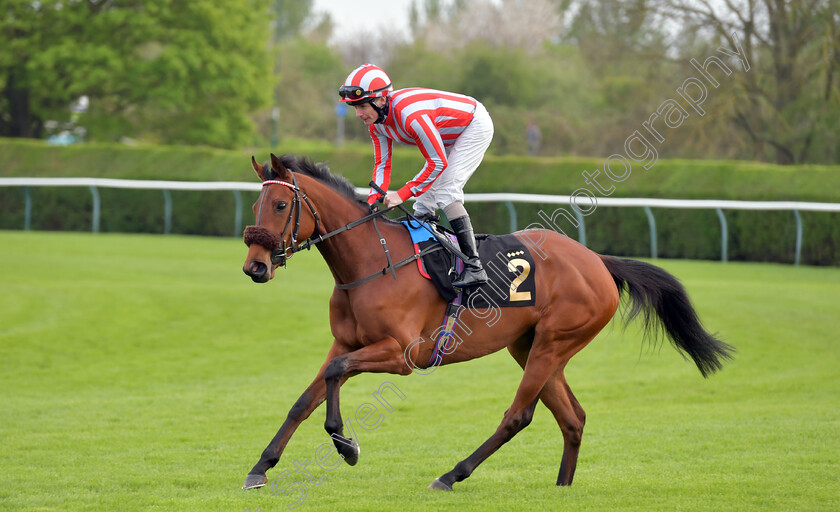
{"x":452,"y":132}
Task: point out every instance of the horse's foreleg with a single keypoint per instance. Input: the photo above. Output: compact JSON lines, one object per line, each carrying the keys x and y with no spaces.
{"x":308,"y":402}
{"x":385,"y":356}
{"x":518,"y":416}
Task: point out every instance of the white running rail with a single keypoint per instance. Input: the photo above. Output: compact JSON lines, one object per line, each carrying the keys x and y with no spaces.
{"x":93,"y":184}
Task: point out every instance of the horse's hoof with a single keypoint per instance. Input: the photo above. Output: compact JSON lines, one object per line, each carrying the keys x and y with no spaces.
{"x":353,"y":458}
{"x":254,"y":481}
{"x":347,"y":447}
{"x":439,"y":486}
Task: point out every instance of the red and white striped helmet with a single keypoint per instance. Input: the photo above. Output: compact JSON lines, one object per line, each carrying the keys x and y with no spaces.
{"x":365,"y":83}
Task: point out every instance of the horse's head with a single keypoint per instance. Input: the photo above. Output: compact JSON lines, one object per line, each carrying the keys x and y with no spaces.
{"x":284,"y":217}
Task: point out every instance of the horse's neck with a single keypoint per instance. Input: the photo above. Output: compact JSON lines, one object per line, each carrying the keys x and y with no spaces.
{"x":353,"y":254}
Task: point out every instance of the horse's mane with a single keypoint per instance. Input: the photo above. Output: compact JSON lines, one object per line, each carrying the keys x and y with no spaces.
{"x":319,"y":171}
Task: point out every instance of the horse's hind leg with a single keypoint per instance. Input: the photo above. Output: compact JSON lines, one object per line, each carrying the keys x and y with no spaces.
{"x":570,"y":416}
{"x":572,"y":434}
{"x":558,"y":397}
{"x":539,"y":368}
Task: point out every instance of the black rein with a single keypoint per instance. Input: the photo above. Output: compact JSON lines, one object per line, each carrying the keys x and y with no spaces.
{"x":278,"y":256}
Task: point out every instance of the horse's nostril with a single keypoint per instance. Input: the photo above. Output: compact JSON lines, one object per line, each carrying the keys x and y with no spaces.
{"x":256,"y":269}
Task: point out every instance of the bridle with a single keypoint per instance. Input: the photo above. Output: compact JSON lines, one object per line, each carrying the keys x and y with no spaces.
{"x":280,"y":252}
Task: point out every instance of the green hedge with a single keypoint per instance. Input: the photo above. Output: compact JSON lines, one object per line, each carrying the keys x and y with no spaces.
{"x":696,"y":234}
{"x":753,"y":236}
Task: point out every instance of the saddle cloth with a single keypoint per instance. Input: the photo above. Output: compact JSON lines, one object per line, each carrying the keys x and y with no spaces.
{"x":508,"y":263}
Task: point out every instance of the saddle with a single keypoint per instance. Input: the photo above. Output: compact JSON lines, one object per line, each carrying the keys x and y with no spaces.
{"x":509,"y":265}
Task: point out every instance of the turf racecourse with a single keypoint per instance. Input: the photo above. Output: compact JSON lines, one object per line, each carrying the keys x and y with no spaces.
{"x":147,"y":373}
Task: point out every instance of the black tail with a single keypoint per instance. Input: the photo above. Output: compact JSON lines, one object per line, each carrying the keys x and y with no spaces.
{"x":653,"y":290}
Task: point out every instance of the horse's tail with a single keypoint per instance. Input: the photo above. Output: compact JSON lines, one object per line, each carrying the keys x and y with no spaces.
{"x":653,"y":290}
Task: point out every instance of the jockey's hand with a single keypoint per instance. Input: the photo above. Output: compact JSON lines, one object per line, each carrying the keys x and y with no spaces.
{"x":392,"y":199}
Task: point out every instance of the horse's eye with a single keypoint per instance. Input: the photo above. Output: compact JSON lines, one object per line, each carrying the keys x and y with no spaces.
{"x":280,"y":206}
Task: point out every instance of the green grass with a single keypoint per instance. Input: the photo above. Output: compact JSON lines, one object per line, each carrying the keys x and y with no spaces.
{"x":148,"y":373}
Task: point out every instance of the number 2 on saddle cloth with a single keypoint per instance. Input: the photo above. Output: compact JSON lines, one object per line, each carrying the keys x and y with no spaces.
{"x":508,"y":263}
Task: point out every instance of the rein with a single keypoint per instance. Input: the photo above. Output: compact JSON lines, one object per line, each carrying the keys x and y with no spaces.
{"x":283,"y":253}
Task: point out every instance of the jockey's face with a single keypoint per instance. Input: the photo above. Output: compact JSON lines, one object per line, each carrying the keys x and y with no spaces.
{"x":366,"y":112}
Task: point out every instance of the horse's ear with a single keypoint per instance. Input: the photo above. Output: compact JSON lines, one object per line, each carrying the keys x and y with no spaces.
{"x":278,"y":167}
{"x":258,"y":168}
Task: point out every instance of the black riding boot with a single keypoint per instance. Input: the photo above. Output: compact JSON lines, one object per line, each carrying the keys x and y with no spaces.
{"x":474,"y":273}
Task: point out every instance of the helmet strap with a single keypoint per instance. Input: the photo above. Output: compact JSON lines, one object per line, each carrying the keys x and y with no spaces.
{"x":382,"y":111}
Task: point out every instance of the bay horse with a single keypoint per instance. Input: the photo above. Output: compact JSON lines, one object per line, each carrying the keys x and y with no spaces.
{"x":374,"y":322}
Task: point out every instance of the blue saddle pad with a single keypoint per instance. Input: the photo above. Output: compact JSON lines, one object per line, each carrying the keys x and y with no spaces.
{"x":419,"y":232}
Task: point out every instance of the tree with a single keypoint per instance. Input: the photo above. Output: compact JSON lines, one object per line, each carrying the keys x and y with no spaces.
{"x":289,"y":17}
{"x":176,"y":72}
{"x":308,"y":77}
{"x":624,"y":48}
{"x":507,"y":23}
{"x":788,"y":103}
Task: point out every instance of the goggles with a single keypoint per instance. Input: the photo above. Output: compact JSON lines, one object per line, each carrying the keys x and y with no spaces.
{"x":356,"y":93}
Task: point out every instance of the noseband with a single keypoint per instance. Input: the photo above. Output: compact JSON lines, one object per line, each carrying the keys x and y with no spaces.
{"x":277,"y":244}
